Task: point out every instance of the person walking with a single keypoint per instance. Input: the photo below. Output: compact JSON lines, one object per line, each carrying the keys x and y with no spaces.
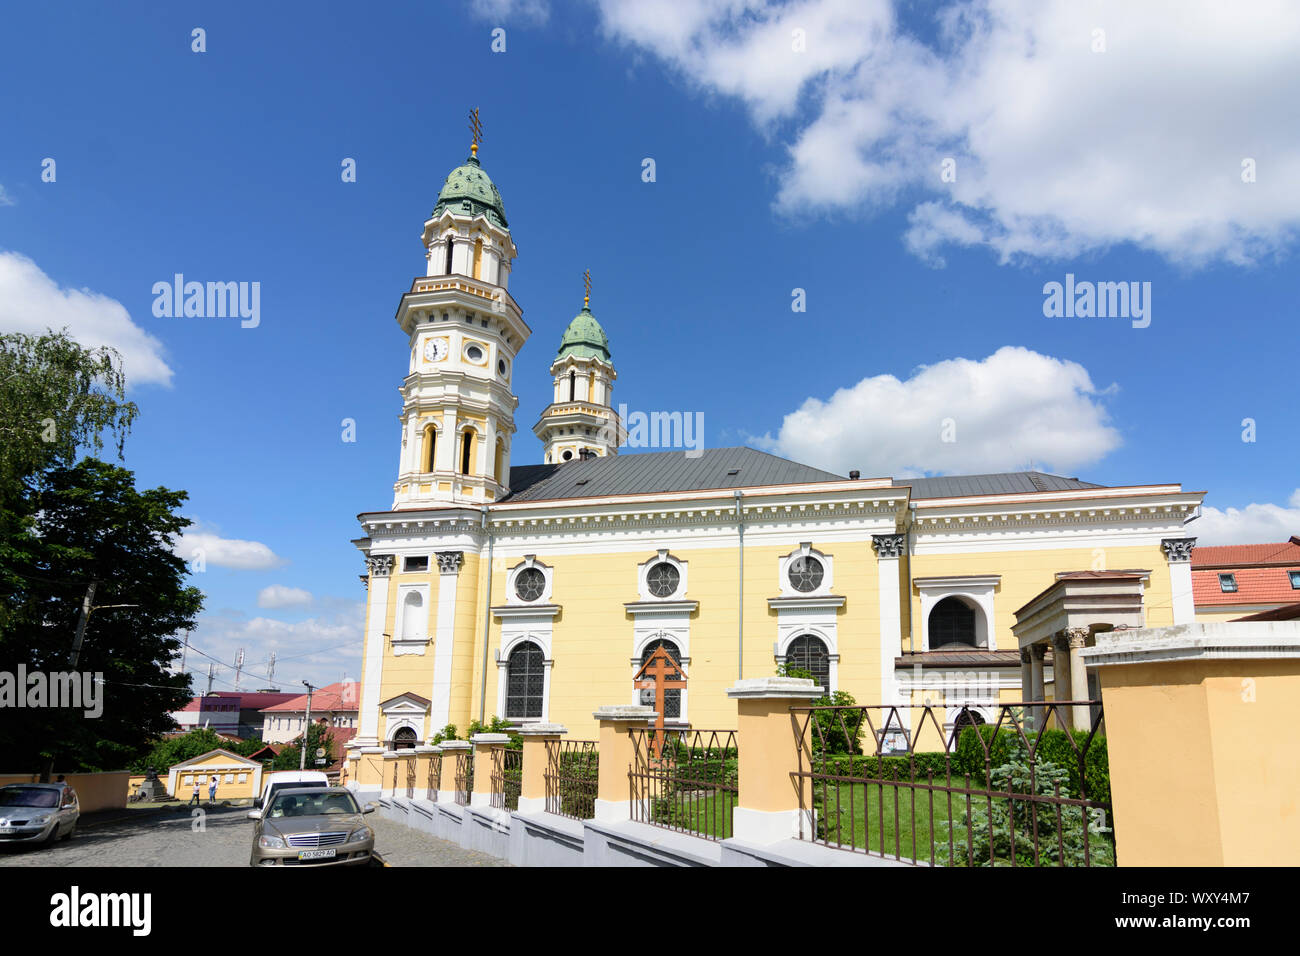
{"x":194,"y":800}
{"x":212,"y":789}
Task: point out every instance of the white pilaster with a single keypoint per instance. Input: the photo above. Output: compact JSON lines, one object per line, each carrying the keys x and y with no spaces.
{"x":374,"y":645}
{"x":440,"y":694}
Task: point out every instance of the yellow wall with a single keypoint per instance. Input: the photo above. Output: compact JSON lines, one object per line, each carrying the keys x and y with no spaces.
{"x":95,"y":791}
{"x":1025,"y":574}
{"x":225,"y":791}
{"x":1202,"y":762}
{"x":1211,"y":616}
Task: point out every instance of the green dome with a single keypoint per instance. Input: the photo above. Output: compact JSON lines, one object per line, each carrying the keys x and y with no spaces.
{"x":469,"y":191}
{"x":584,"y":338}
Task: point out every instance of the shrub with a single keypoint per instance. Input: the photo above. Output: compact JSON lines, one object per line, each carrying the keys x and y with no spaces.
{"x":992,"y":833}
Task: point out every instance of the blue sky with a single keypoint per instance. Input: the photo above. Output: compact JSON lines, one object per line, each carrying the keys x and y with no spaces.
{"x":778,"y":168}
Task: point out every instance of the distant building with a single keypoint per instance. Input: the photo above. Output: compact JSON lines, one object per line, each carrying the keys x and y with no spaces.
{"x":1236,"y":580}
{"x":227,"y":712}
{"x":336,"y":703}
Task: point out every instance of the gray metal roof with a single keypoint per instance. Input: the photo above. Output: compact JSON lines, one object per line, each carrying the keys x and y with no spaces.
{"x":1002,"y":483}
{"x":658,"y":472}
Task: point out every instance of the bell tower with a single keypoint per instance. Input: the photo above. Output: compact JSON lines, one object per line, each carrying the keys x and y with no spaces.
{"x":581,"y":421}
{"x":464,"y":330}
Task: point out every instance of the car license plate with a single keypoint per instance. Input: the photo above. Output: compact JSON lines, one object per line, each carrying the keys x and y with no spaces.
{"x":8,"y":829}
{"x":316,"y":854}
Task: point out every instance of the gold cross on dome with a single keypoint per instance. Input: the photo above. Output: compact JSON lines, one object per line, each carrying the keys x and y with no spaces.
{"x":586,"y":282}
{"x":476,"y":131}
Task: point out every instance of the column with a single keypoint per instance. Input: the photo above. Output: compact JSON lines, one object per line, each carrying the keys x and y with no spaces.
{"x":613,"y":789}
{"x":444,"y":454}
{"x":1178,"y":552}
{"x":1035,"y":690}
{"x":485,"y":747}
{"x":449,"y":563}
{"x":1078,"y":640}
{"x":538,"y":738}
{"x":379,"y":568}
{"x":772,"y":799}
{"x":889,"y":548}
{"x":1026,"y":673}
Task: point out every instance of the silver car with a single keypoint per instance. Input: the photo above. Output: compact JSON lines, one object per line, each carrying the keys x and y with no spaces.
{"x":37,"y":812}
{"x":312,"y":826}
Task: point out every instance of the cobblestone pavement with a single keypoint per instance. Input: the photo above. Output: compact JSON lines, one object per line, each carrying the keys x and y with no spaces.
{"x":174,"y":838}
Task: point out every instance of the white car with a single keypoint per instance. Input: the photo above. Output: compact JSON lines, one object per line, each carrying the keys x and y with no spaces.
{"x":285,"y":779}
{"x":37,"y":812}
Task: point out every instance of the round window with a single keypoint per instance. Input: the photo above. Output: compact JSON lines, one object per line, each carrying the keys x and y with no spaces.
{"x":474,"y":353}
{"x":501,"y":366}
{"x":663,"y":580}
{"x":806,"y":574}
{"x":529,"y":584}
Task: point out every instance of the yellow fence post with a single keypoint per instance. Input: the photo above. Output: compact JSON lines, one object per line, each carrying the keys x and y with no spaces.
{"x":451,"y":751}
{"x":485,"y":746}
{"x":613,"y":789}
{"x":1199,"y":725}
{"x":768,"y":737}
{"x":532,"y":791}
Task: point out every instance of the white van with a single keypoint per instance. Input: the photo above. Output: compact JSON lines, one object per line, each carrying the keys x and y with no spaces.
{"x":285,"y":779}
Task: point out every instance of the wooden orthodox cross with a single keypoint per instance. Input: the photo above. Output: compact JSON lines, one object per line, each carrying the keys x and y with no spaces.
{"x":660,"y":673}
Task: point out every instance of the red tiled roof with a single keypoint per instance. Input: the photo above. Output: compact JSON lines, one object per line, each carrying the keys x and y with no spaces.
{"x":1254,"y":586}
{"x":1287,"y":612}
{"x":1003,"y":657}
{"x":327,"y":698}
{"x":1228,"y":556}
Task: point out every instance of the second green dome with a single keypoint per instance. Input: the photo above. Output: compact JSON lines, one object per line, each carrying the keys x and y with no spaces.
{"x":584,"y":338}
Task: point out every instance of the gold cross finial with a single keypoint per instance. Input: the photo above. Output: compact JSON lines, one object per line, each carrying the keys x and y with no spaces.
{"x":586,"y":281}
{"x":476,"y":131}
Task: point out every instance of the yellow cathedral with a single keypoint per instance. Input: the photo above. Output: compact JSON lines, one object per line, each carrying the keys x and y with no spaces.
{"x":534,"y":592}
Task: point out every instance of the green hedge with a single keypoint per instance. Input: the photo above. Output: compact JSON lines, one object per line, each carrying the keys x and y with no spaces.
{"x":1053,"y":747}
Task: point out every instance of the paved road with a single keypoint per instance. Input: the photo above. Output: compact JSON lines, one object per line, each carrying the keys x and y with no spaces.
{"x":220,"y":837}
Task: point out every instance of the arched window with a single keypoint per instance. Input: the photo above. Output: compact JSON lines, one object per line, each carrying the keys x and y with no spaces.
{"x":498,"y":469}
{"x":404,"y":739}
{"x":466,"y":451}
{"x":525,"y":681}
{"x":430,"y":444}
{"x":952,"y":624}
{"x":573,"y":385}
{"x":809,"y":653}
{"x":451,"y":243}
{"x":413,"y":617}
{"x":672,"y":696}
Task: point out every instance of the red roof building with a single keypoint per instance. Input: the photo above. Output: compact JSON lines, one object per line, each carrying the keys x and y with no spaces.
{"x":337,"y":703}
{"x":1235,"y":580}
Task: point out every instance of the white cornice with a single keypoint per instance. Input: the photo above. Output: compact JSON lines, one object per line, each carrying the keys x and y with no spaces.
{"x":824,"y":601}
{"x":650,"y":608}
{"x":513,"y":611}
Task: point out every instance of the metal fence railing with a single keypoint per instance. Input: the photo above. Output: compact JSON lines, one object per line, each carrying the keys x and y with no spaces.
{"x":507,"y":777}
{"x":571,"y":778}
{"x":464,"y":776}
{"x":410,"y":777}
{"x":685,"y":780}
{"x":900,"y":782}
{"x":433,"y":781}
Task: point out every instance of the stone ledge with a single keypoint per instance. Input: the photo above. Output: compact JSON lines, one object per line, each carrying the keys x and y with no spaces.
{"x":759,"y":688}
{"x":654,"y":844}
{"x":1232,"y":640}
{"x":539,"y":730}
{"x":799,"y":853}
{"x":630,"y":712}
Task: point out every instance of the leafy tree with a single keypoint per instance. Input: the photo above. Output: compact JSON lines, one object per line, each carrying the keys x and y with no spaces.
{"x":90,"y":523}
{"x":317,"y":737}
{"x":55,"y":397}
{"x":173,"y":750}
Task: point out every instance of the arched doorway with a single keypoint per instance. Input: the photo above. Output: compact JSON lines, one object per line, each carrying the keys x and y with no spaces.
{"x":404,"y":738}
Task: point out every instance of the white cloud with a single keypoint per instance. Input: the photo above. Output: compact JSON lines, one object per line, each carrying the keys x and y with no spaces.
{"x":277,"y":595}
{"x":502,"y":11}
{"x":5,"y":198}
{"x":320,"y":649}
{"x":32,"y":302}
{"x":1003,"y":412}
{"x":1253,"y":524}
{"x":1059,"y":150}
{"x":220,"y":552}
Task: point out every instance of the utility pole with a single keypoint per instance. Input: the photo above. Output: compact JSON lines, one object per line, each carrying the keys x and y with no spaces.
{"x":239,"y":666}
{"x":208,"y":692}
{"x":184,"y":647}
{"x":302,"y":751}
{"x":87,"y":605}
{"x":270,"y":671}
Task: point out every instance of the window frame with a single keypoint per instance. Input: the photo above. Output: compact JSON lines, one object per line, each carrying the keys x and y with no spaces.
{"x":520,"y":646}
{"x":1227,"y":578}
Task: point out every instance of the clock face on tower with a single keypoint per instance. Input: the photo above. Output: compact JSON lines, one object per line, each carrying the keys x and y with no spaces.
{"x":435,"y":350}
